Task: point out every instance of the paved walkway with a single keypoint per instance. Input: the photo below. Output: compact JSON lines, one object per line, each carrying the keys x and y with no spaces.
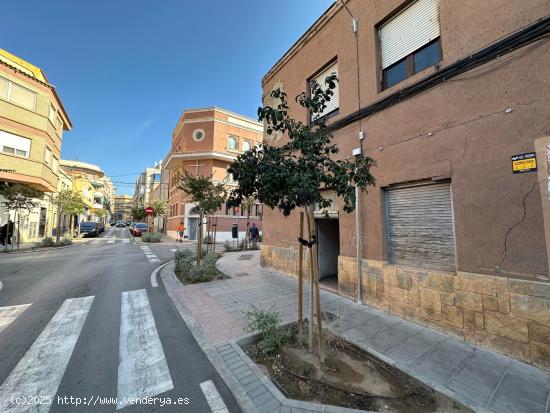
{"x":479,"y":378}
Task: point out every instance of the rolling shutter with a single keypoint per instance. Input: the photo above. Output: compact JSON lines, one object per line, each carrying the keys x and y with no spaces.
{"x":420,"y":226}
{"x":22,"y":96}
{"x":334,"y":102}
{"x":411,"y":29}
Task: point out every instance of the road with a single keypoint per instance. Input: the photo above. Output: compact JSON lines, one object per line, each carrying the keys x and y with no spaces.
{"x":87,"y":322}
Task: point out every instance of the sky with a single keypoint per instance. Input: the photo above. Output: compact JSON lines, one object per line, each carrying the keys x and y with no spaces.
{"x":126,"y":69}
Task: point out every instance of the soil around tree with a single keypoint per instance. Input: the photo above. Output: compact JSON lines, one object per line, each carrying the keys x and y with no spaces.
{"x":349,"y":378}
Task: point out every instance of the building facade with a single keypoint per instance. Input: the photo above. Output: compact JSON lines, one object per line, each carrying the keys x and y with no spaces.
{"x":450,"y":104}
{"x":96,"y":190}
{"x":145,"y":183}
{"x":123,"y":208}
{"x":205,"y":142}
{"x":32,"y":122}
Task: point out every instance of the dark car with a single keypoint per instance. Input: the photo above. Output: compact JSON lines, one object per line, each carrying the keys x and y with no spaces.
{"x":139,"y":228}
{"x":90,"y":229}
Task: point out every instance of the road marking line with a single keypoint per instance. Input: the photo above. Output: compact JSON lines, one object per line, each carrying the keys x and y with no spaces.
{"x":213,"y":398}
{"x":1,"y":285}
{"x":154,"y":260}
{"x":41,"y":369}
{"x":111,"y":241}
{"x":150,"y":255}
{"x":142,"y":369}
{"x":95,"y":241}
{"x":9,"y":314}
{"x":155,"y":272}
{"x":125,"y":240}
{"x":173,"y":249}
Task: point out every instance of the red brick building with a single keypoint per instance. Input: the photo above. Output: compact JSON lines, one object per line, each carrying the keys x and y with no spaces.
{"x":205,"y":142}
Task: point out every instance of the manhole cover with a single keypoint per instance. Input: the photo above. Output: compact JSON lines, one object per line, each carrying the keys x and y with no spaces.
{"x":245,"y":257}
{"x":242,"y":274}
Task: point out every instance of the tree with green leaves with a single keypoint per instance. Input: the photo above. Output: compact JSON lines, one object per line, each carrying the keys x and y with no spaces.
{"x":138,"y":213}
{"x":159,"y":209}
{"x":298,"y":172}
{"x":206,"y":194}
{"x":18,"y":198}
{"x":66,"y":202}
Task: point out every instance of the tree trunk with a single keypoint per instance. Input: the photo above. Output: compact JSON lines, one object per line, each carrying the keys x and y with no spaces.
{"x":71,"y":226}
{"x":246,"y":237}
{"x":199,"y":239}
{"x":311,"y":276}
{"x":300,"y":279}
{"x":315,"y":265}
{"x":18,"y":232}
{"x":58,"y":230}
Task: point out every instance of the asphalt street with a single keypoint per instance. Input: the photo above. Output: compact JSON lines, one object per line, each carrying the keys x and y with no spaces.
{"x":86,"y":322}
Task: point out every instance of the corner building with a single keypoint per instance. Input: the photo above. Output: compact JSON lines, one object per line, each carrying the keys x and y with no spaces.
{"x":447,"y":97}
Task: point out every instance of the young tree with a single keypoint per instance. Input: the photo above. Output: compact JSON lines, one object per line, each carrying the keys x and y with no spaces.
{"x":296,"y":173}
{"x":66,"y":202}
{"x":247,"y":204}
{"x":19,"y":197}
{"x":159,"y":209}
{"x":138,"y":213}
{"x":207,"y":195}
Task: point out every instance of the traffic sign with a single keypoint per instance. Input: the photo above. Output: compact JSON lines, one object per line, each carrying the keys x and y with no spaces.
{"x":149,"y":210}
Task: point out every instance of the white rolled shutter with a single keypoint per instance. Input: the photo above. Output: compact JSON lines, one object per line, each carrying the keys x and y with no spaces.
{"x":14,"y":141}
{"x":411,"y":29}
{"x":420,"y":226}
{"x":334,"y":102}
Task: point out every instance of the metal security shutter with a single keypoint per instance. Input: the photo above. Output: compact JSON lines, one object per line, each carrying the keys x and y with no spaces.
{"x":334,"y":102}
{"x":420,"y":226}
{"x":411,"y":29}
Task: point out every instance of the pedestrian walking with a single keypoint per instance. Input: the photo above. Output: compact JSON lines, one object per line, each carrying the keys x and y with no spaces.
{"x":181,"y":230}
{"x":254,"y":233}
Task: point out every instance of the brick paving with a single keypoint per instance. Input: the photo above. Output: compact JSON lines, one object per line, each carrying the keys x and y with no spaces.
{"x":483,"y":380}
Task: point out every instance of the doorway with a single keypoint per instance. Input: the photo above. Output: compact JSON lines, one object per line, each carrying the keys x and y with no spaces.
{"x":193,"y":224}
{"x":328,"y":250}
{"x":42,"y":223}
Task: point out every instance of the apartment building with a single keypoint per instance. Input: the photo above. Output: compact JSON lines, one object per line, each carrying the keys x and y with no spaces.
{"x":96,"y":189}
{"x":451,"y":100}
{"x":32,"y":122}
{"x":123,"y":207}
{"x":205,"y":142}
{"x":145,"y":184}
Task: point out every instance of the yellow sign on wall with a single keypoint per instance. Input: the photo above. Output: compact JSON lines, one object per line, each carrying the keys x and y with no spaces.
{"x":525,"y":162}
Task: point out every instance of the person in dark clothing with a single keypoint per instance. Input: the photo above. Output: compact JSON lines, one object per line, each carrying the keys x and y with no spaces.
{"x":254,"y":233}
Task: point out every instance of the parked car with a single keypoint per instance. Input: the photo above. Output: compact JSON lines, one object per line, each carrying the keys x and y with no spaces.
{"x":139,"y":228}
{"x":89,"y":229}
{"x":112,"y":223}
{"x":120,"y":224}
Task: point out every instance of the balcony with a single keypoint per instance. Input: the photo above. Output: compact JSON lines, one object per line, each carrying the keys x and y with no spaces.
{"x":27,"y":171}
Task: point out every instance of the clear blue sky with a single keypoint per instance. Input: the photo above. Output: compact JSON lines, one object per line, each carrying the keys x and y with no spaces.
{"x":125,"y":69}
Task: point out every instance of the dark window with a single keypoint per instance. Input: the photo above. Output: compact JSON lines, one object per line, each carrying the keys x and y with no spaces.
{"x":396,"y":73}
{"x":427,"y":56}
{"x":417,"y":61}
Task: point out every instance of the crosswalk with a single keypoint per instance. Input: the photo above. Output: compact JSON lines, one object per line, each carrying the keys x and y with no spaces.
{"x":142,"y":370}
{"x":151,"y":257}
{"x":110,"y":240}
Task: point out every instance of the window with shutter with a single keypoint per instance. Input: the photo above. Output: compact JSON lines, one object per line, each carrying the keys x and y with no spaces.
{"x":52,"y":114}
{"x":409,"y":42}
{"x":14,"y":144}
{"x":334,"y":104}
{"x":4,"y":85}
{"x":47,"y":156}
{"x":22,"y":96}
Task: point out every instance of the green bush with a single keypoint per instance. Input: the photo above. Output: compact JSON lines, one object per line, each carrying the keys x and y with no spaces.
{"x":152,"y":237}
{"x":268,"y":324}
{"x":208,"y":239}
{"x":227,"y":247}
{"x":187,"y":270}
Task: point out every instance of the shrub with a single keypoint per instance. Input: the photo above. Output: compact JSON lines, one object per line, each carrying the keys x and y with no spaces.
{"x":50,"y":242}
{"x":188,"y":271}
{"x":208,"y":239}
{"x":268,"y":324}
{"x":152,"y":237}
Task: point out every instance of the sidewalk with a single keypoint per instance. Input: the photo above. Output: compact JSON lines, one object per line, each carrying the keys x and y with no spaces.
{"x":31,"y":246}
{"x":478,"y":378}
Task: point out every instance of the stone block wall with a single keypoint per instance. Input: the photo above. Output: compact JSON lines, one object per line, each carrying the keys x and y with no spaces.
{"x":508,"y":315}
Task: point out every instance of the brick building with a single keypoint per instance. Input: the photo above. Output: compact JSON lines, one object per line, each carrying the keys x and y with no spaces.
{"x":443,"y":95}
{"x":206,"y":141}
{"x":32,"y":122}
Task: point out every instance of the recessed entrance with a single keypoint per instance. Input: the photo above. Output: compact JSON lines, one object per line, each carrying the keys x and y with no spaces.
{"x":328,"y":231}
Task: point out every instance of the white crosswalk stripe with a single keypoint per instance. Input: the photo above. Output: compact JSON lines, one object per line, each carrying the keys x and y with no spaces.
{"x":213,"y":397}
{"x":9,"y":314}
{"x":142,"y":370}
{"x":41,"y":369}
